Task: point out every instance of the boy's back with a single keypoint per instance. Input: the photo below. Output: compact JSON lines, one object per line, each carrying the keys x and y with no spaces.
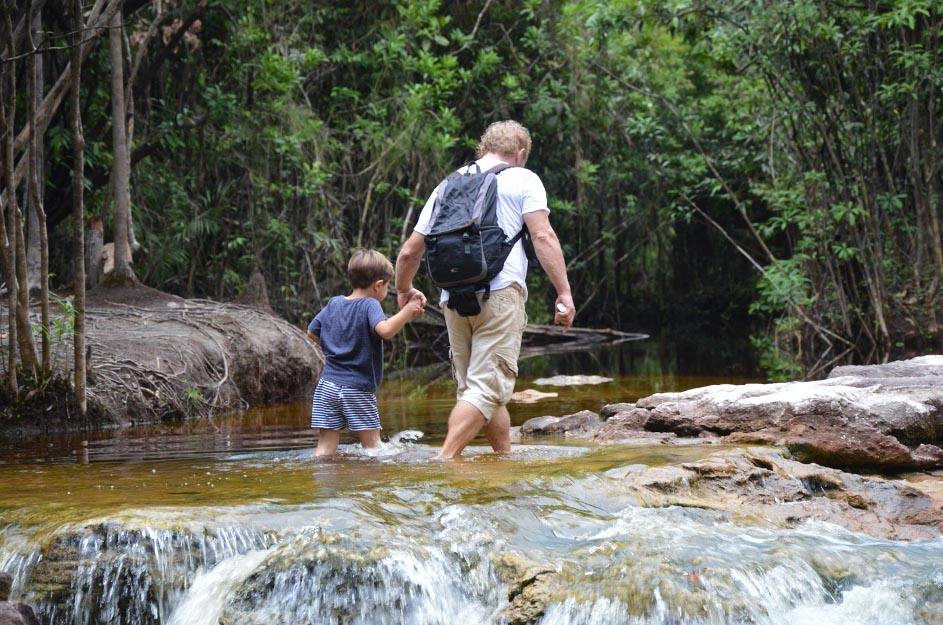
{"x":353,"y":352}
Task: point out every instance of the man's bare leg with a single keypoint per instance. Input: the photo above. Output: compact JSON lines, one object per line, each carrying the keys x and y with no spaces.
{"x":465,"y":421}
{"x":327,"y":442}
{"x":498,"y":430}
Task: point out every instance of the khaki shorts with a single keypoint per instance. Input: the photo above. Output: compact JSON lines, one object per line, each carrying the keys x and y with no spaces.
{"x":484,"y":349}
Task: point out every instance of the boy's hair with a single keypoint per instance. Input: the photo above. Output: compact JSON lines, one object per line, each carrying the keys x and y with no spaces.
{"x":504,"y":139}
{"x":368,"y":266}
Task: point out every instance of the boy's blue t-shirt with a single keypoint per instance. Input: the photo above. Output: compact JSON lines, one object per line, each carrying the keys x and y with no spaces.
{"x":353,"y":352}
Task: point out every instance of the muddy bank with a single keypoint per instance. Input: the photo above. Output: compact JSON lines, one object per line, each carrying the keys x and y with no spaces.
{"x":154,"y":356}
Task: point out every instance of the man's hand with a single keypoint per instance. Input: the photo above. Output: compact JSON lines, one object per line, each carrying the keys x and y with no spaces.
{"x":564,"y":312}
{"x":416,"y":305}
{"x":403,"y":297}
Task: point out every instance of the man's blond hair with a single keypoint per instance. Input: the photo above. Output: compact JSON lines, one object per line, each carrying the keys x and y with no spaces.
{"x":368,"y":266}
{"x":504,"y":138}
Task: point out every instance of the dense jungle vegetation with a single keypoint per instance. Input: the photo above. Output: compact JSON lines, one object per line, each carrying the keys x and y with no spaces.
{"x":723,"y":165}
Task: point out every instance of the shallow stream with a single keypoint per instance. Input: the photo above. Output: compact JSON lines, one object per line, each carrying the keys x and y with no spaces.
{"x":230,"y":521}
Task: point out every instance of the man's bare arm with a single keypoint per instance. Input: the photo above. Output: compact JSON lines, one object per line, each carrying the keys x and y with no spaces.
{"x":550,"y":255}
{"x":407,"y":265}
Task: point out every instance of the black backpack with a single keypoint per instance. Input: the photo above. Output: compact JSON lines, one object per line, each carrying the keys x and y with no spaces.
{"x":465,"y":247}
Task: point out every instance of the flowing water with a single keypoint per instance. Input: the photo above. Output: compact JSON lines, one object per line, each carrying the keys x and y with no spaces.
{"x":230,"y":521}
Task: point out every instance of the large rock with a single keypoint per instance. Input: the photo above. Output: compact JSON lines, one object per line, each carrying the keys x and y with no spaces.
{"x":154,"y":356}
{"x":884,"y":417}
{"x":581,"y":422}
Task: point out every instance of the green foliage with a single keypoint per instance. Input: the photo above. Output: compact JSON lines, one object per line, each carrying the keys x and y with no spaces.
{"x":804,"y":133}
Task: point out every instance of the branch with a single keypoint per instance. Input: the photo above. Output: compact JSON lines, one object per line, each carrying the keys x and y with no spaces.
{"x":701,"y":152}
{"x":99,"y":17}
{"x":824,"y":332}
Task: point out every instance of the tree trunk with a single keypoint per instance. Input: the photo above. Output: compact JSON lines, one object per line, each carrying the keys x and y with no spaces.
{"x":94,"y":248}
{"x":121,"y":173}
{"x":19,"y":291}
{"x":133,"y":243}
{"x":38,"y":248}
{"x":78,"y":211}
{"x":35,"y":7}
{"x":34,"y":260}
{"x":7,"y":216}
{"x":24,"y":338}
{"x":100,"y":16}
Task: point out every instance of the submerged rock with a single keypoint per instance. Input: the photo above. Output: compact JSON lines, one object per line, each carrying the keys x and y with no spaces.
{"x":572,"y":380}
{"x":529,"y":396}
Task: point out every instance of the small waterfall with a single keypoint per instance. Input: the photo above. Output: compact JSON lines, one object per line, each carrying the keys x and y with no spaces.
{"x":380,"y":541}
{"x":122,"y":574}
{"x":329,"y":580}
{"x":212,"y":589}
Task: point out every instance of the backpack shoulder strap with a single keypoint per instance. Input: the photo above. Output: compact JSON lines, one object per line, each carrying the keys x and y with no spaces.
{"x":497,"y":169}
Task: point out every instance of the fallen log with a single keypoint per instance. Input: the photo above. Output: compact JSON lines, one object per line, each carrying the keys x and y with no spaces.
{"x":546,"y":339}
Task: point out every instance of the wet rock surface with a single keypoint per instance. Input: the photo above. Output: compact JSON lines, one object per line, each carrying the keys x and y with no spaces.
{"x":822,"y":438}
{"x":531,"y":586}
{"x":570,"y":425}
{"x":13,"y":613}
{"x":761,"y":485}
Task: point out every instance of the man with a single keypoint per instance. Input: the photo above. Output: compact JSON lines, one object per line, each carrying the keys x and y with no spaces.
{"x":485,"y":347}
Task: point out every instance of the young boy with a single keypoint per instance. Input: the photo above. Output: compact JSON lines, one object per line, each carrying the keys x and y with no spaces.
{"x":351,"y":330}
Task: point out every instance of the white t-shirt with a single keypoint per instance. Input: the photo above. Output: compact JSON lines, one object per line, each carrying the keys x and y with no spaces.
{"x":520,"y":191}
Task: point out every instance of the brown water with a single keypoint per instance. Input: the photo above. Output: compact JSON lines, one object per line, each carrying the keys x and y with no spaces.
{"x":407,"y":403}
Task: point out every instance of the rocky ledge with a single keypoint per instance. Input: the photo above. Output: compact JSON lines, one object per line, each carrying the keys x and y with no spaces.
{"x":820,"y":439}
{"x":883,"y":418}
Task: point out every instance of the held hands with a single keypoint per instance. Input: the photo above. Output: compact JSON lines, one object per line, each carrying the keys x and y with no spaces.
{"x":416,"y":305}
{"x":412,"y":299}
{"x":564,"y":312}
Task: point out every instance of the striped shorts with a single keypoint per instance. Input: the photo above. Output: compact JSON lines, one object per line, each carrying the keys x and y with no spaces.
{"x":336,"y":407}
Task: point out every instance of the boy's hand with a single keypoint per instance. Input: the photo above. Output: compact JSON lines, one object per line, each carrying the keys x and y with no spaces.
{"x":416,"y":304}
{"x":404,"y":297}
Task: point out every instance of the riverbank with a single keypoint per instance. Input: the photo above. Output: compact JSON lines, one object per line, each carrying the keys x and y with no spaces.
{"x":152,"y":356}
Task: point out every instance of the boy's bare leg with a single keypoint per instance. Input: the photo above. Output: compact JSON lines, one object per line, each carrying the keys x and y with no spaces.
{"x":465,"y":421}
{"x":498,"y":430}
{"x":369,"y":439}
{"x":327,"y":442}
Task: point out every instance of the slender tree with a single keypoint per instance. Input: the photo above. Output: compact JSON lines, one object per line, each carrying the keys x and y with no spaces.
{"x":78,"y":209}
{"x":121,"y":172}
{"x":8,"y":113}
{"x":34,"y":260}
{"x":38,"y":215}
